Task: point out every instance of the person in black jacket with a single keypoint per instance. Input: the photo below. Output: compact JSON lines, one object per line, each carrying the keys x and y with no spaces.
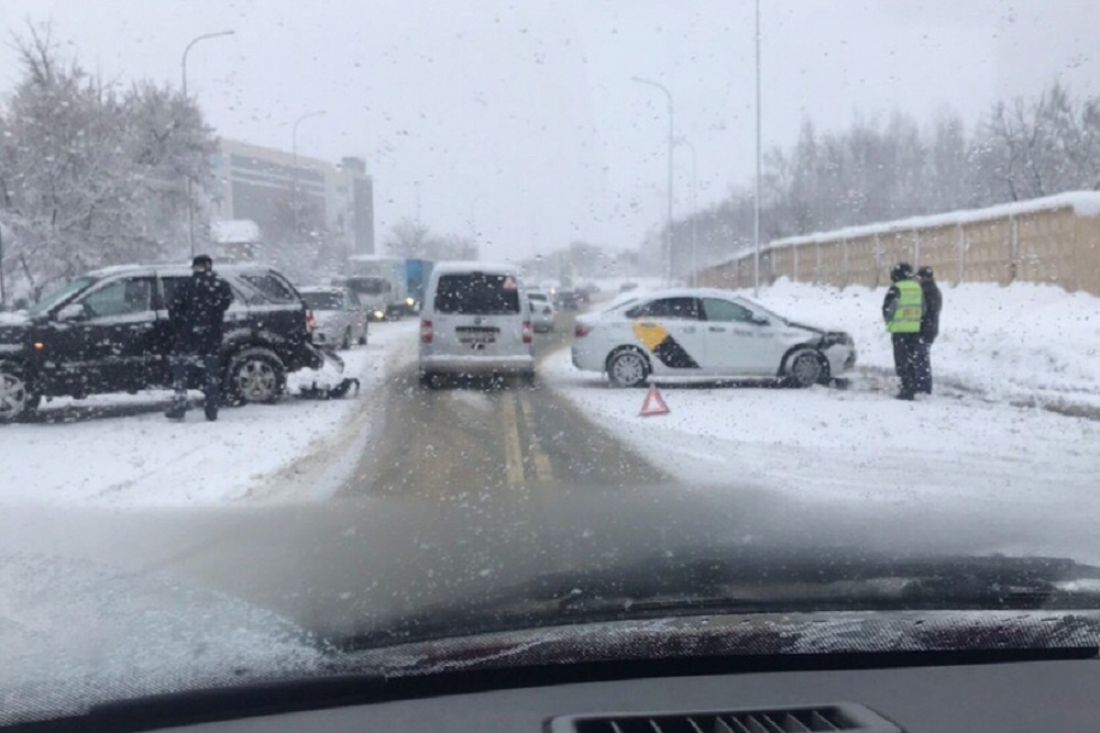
{"x":929,"y":326}
{"x":196,"y":314}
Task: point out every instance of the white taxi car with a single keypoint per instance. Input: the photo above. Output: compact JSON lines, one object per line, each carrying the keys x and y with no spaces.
{"x":697,"y":332}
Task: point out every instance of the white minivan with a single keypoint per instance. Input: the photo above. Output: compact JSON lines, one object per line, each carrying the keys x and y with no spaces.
{"x":475,"y":319}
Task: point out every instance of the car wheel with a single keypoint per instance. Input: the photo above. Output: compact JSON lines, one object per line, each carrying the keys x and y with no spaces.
{"x":16,"y":397}
{"x":346,"y":343}
{"x":363,"y":339}
{"x":807,"y":368}
{"x":255,"y":375}
{"x":627,"y":368}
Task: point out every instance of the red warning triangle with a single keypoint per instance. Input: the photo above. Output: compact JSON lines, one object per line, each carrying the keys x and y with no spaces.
{"x":654,"y":404}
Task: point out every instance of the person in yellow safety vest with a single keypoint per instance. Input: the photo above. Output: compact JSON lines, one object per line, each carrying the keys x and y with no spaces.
{"x":903,"y":310}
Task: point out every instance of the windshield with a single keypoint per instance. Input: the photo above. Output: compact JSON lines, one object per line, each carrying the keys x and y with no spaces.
{"x":60,"y":295}
{"x":323,"y":301}
{"x":541,"y":319}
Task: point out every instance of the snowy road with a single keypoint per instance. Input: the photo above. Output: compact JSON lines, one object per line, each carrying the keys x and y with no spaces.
{"x":119,"y":451}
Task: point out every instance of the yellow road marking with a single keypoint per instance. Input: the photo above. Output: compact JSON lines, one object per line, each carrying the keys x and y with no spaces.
{"x":513,"y":457}
{"x":543,"y":472}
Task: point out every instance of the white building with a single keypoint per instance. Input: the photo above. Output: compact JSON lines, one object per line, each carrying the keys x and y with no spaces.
{"x":262,"y":185}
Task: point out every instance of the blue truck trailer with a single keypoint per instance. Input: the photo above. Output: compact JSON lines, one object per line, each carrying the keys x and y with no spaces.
{"x":417,"y":274}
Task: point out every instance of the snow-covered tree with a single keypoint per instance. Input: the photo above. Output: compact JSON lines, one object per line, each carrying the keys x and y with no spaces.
{"x":875,"y":172}
{"x":91,"y":175}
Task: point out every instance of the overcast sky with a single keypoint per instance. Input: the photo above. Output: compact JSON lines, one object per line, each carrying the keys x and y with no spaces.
{"x":520,"y":118}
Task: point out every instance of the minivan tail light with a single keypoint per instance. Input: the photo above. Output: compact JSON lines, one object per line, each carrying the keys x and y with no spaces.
{"x":528,"y":332}
{"x":425,"y":332}
{"x":311,"y":321}
{"x":581,"y":330}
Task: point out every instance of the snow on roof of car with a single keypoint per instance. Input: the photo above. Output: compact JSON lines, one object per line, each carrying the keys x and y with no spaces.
{"x":457,"y":266}
{"x":235,"y":231}
{"x":322,"y":289}
{"x":679,"y":292}
{"x":118,"y":270}
{"x":375,"y":258}
{"x":173,"y":268}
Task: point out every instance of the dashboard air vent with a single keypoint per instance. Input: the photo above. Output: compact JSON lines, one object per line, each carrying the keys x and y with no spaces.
{"x":838,"y":717}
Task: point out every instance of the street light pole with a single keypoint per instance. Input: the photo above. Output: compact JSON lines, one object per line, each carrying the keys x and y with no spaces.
{"x":294,"y":164}
{"x":756,"y":195}
{"x":671,"y":144}
{"x":183,"y":74}
{"x":694,"y":207}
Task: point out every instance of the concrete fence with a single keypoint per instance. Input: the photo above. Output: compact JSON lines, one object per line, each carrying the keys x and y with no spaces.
{"x":1053,"y":240}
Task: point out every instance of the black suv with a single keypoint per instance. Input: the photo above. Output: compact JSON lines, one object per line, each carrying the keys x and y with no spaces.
{"x":108,"y":331}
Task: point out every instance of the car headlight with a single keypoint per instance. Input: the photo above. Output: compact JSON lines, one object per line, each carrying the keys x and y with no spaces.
{"x":836,"y":337}
{"x":410,"y":302}
{"x":379,"y":314}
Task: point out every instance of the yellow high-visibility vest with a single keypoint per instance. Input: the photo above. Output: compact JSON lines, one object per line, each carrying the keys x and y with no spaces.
{"x":910,"y":308}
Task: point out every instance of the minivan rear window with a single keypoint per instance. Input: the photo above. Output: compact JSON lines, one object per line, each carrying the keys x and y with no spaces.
{"x":320,"y":301}
{"x":477,"y":293}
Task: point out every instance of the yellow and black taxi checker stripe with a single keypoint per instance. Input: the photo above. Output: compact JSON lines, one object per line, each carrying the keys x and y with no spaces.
{"x":659,"y":341}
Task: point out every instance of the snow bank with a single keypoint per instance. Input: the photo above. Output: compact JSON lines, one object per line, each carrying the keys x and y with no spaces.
{"x":1020,"y":342}
{"x":119,"y":450}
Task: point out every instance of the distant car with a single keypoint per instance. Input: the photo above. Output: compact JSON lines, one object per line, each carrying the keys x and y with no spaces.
{"x":341,"y":319}
{"x":587,"y":291}
{"x":108,"y":331}
{"x":698,"y":332}
{"x":567,"y":300}
{"x":542,"y":311}
{"x":476,"y":319}
{"x":627,"y":287}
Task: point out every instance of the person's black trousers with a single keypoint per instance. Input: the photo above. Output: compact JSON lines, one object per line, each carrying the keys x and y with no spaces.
{"x":924,"y":366}
{"x":184,"y":365}
{"x":908,"y":350}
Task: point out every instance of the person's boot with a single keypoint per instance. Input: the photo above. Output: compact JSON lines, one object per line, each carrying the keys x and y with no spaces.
{"x":211,"y":410}
{"x":176,"y":412}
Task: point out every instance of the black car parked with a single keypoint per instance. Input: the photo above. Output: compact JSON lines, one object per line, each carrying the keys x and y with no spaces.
{"x":108,"y":331}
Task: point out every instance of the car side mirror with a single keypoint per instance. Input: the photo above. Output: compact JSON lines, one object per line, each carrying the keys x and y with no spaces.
{"x":760,"y":321}
{"x":71,"y":312}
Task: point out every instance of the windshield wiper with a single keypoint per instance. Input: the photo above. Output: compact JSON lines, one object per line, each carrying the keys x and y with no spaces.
{"x":747,"y":582}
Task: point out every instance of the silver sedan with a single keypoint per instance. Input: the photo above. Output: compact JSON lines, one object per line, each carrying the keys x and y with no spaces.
{"x":340,"y":319}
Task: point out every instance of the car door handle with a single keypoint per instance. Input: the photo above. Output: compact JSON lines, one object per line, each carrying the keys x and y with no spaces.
{"x":716,"y":329}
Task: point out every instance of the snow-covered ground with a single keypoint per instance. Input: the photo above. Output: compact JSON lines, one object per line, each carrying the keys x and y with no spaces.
{"x":974,"y":449}
{"x":119,"y":450}
{"x":1024,"y":342}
